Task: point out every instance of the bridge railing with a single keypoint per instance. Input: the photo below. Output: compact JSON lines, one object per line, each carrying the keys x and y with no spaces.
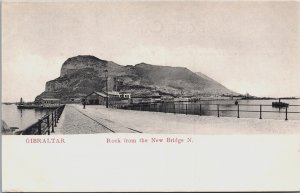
{"x":224,"y":110}
{"x":45,"y":125}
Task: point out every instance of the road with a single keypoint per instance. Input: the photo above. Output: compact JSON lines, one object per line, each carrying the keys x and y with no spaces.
{"x":79,"y":121}
{"x":98,"y":119}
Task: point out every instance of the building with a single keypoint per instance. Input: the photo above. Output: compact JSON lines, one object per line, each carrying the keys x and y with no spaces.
{"x":145,"y":99}
{"x":49,"y":102}
{"x":96,"y":98}
{"x":74,"y":100}
{"x":125,"y":95}
{"x":99,"y":98}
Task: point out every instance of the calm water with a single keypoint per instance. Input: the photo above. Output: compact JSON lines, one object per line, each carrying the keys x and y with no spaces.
{"x":21,"y":118}
{"x":228,"y":109}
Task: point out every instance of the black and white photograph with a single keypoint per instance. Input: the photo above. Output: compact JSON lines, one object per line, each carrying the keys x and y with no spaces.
{"x":106,"y":74}
{"x":150,"y":67}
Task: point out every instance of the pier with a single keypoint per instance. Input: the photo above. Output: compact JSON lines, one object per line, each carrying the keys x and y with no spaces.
{"x":98,"y":119}
{"x":74,"y":119}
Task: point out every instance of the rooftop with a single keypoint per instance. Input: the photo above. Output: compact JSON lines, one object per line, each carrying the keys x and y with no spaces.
{"x":50,"y":99}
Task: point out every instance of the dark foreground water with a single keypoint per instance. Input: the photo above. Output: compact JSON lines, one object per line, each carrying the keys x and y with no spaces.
{"x":21,"y":118}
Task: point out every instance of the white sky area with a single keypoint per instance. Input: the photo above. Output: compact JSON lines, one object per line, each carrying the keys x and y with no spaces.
{"x":246,"y":46}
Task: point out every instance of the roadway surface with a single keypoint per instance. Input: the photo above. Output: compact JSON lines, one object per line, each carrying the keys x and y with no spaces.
{"x":75,"y":120}
{"x":98,"y":119}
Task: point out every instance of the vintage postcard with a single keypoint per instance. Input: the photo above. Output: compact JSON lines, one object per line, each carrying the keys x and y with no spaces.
{"x":150,"y":96}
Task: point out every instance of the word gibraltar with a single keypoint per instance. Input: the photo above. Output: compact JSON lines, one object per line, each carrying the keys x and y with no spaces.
{"x":45,"y":140}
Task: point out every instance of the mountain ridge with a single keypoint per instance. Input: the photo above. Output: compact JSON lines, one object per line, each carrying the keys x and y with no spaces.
{"x":82,"y":74}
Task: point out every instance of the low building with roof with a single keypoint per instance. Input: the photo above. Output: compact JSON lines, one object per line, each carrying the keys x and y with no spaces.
{"x":48,"y":101}
{"x":45,"y":103}
{"x":96,"y":98}
{"x":145,"y":99}
{"x":99,"y":98}
{"x":125,"y":95}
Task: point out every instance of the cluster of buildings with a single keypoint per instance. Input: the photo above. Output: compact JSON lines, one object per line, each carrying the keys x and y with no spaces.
{"x":101,"y":97}
{"x":114,"y":97}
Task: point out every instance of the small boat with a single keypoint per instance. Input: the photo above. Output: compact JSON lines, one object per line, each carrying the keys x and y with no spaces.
{"x":27,"y":106}
{"x":279,"y":104}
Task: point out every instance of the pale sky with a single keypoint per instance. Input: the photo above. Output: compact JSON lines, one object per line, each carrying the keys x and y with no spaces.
{"x":246,"y":46}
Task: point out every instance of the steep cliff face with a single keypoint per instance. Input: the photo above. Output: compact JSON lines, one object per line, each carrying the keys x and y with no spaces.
{"x":81,"y":62}
{"x":81,"y":75}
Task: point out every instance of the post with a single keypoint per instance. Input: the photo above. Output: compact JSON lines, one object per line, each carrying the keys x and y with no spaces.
{"x":260,"y":112}
{"x":48,"y":124}
{"x":286,"y":113}
{"x":186,"y":109}
{"x":218,"y":111}
{"x":238,"y":111}
{"x":39,"y":127}
{"x":55,"y":114}
{"x":174,"y":108}
{"x":48,"y":121}
{"x":57,"y":117}
{"x":52,"y":131}
{"x":200,"y":109}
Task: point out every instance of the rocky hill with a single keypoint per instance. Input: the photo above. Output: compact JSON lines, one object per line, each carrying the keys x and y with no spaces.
{"x":81,"y":75}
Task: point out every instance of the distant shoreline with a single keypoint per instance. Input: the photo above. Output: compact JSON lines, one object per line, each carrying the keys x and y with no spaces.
{"x":9,"y":103}
{"x":216,"y":99}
